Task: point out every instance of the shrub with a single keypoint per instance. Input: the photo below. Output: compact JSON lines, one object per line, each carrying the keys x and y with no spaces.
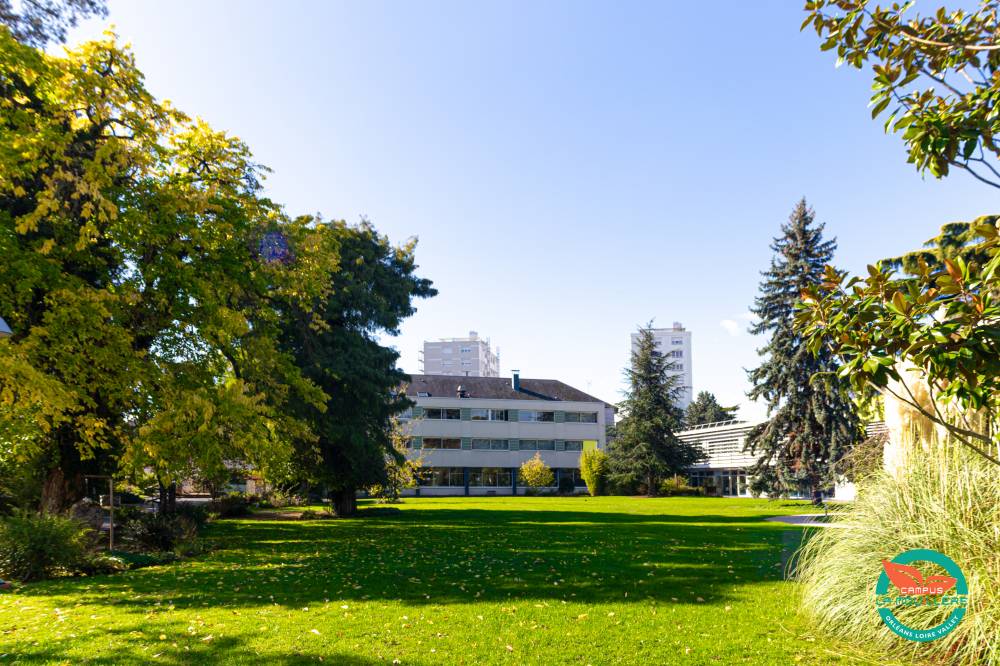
{"x":594,"y":470}
{"x":535,"y":473}
{"x":945,"y":499}
{"x":233,"y":505}
{"x":159,"y":532}
{"x":36,"y":546}
{"x":678,"y":486}
{"x":566,"y":485}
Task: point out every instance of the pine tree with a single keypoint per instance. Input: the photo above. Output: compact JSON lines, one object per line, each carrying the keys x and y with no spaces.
{"x":646,"y":448}
{"x":812,"y":422}
{"x":706,"y":409}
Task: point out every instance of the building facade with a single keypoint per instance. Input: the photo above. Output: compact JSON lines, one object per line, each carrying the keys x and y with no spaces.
{"x":675,"y":344}
{"x":460,"y":357}
{"x":724,"y":471}
{"x":471,"y":434}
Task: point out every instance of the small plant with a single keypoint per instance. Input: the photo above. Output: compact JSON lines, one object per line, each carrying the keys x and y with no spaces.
{"x":36,"y":546}
{"x":159,"y":532}
{"x":535,"y":473}
{"x":676,"y":486}
{"x":233,"y":505}
{"x":594,"y":470}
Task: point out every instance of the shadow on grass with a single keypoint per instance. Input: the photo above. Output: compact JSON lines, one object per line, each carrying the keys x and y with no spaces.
{"x":456,"y":556}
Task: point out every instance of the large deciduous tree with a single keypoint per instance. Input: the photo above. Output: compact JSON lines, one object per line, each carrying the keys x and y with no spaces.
{"x":143,"y":334}
{"x":812,"y":422}
{"x":646,"y":447}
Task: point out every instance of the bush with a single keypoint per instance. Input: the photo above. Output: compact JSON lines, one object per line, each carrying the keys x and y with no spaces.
{"x":594,"y":470}
{"x":233,"y":505}
{"x":36,"y":546}
{"x":678,"y":486}
{"x":945,"y":499}
{"x":566,"y":485}
{"x":535,"y":473}
{"x":159,"y":532}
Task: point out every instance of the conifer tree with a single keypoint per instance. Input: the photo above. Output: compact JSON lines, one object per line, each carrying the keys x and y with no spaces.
{"x":646,"y":448}
{"x":812,"y":422}
{"x":706,"y":409}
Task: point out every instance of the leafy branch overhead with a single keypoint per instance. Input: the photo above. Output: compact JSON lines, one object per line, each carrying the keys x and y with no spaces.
{"x":944,"y":320}
{"x":936,"y":76}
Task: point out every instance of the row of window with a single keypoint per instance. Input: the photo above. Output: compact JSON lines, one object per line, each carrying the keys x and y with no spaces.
{"x":455,"y":443}
{"x":490,"y":477}
{"x":524,"y":415}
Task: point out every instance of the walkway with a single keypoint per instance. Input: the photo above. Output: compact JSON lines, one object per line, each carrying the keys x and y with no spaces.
{"x":805,"y":520}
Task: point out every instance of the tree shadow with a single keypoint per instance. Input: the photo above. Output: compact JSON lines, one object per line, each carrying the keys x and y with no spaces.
{"x":459,"y":556}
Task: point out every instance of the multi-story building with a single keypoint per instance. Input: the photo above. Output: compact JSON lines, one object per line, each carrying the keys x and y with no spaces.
{"x":472,"y":433}
{"x":460,"y":357}
{"x":675,"y":344}
{"x":725,"y":469}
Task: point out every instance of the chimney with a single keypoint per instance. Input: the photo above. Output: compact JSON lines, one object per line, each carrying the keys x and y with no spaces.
{"x":461,"y":392}
{"x":516,"y":380}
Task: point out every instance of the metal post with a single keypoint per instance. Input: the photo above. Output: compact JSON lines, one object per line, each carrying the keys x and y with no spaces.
{"x":111,"y":518}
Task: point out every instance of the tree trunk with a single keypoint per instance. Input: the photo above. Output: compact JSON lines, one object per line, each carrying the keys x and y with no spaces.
{"x":168,"y":499}
{"x":345,"y":502}
{"x":59,"y":492}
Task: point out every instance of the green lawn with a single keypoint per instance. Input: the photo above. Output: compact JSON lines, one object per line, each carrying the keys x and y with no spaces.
{"x":451,"y":580}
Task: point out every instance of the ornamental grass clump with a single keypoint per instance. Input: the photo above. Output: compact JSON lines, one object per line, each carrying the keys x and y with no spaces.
{"x":944,"y":498}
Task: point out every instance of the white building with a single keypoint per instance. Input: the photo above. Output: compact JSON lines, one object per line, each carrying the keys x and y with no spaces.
{"x":473,"y":433}
{"x":460,"y":357}
{"x":724,"y":471}
{"x":675,"y":344}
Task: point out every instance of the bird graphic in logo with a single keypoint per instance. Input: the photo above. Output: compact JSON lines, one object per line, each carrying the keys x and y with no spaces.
{"x":911,"y":582}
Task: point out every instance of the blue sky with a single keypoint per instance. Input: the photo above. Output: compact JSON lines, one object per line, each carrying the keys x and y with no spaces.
{"x":571,"y":169}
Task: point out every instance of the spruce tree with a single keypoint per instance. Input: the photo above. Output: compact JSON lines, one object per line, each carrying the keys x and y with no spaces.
{"x":646,"y":448}
{"x":706,"y":409}
{"x":812,"y":422}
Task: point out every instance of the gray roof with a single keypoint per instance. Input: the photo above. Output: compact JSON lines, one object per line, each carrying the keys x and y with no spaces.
{"x":495,"y":388}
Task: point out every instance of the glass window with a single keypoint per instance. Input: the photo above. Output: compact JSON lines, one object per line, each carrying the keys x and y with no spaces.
{"x":574,"y":445}
{"x":581,"y":417}
{"x":490,"y":445}
{"x":538,"y":445}
{"x":489,"y":414}
{"x":443,"y":414}
{"x":442,"y":443}
{"x":490,"y":477}
{"x":442,"y":476}
{"x":537,"y":417}
{"x":529,"y":445}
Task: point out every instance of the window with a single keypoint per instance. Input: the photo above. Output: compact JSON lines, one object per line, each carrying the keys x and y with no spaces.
{"x":406,"y":414}
{"x":677,"y":353}
{"x":489,"y":414}
{"x":677,"y":341}
{"x":443,"y":414}
{"x":442,"y":443}
{"x":490,"y":445}
{"x":581,"y":417}
{"x":446,"y":363}
{"x":537,"y":417}
{"x":466,"y":364}
{"x":574,"y":445}
{"x":678,"y":366}
{"x":442,"y":476}
{"x":574,"y":474}
{"x":466,"y":350}
{"x":538,"y":445}
{"x":423,"y":394}
{"x":490,"y":477}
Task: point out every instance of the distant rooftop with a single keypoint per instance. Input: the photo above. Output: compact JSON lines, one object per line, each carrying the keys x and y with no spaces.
{"x":496,"y":388}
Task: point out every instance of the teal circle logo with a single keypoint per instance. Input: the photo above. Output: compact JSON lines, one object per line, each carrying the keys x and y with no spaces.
{"x":914,"y":589}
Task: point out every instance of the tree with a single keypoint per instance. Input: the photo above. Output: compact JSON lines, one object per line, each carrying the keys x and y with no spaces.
{"x":400,"y":471}
{"x":812,"y":423}
{"x":144,"y":332}
{"x":42,"y":21}
{"x":646,"y":448}
{"x":334,"y":339}
{"x":535,"y":473}
{"x":943,"y":322}
{"x":706,"y":409}
{"x":594,"y":470}
{"x":936,"y":72}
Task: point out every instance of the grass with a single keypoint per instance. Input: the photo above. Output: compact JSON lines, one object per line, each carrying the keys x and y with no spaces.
{"x":449,"y":580}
